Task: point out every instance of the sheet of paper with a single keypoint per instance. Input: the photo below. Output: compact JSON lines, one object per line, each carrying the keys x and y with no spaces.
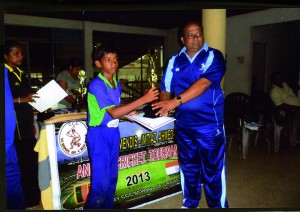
{"x":252,"y":126}
{"x":49,"y":95}
{"x":151,"y":123}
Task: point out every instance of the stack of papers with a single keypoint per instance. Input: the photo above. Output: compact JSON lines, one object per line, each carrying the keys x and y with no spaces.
{"x":252,"y":126}
{"x":151,"y":123}
{"x":49,"y":95}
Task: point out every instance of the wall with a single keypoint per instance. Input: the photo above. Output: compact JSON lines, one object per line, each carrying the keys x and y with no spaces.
{"x":282,"y":49}
{"x":171,"y":45}
{"x":238,"y":43}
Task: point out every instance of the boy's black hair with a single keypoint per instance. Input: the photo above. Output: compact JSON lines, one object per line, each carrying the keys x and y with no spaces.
{"x":99,"y":51}
{"x":9,"y":44}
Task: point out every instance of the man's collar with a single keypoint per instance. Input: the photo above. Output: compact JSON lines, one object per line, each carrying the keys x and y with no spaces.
{"x":204,"y":47}
{"x":11,"y":69}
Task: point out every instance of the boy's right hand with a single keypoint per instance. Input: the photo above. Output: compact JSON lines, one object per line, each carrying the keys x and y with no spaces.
{"x":151,"y":94}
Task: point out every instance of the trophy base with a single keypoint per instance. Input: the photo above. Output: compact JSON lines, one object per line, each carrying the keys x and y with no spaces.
{"x":149,"y":113}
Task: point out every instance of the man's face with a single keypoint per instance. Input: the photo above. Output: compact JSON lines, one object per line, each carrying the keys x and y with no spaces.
{"x":278,"y":80}
{"x":74,"y":70}
{"x":193,"y":37}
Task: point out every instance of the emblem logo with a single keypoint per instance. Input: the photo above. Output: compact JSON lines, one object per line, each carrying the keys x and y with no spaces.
{"x":71,"y":138}
{"x":202,"y":67}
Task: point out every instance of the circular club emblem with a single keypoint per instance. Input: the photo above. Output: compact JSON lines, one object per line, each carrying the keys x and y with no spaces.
{"x":71,"y":138}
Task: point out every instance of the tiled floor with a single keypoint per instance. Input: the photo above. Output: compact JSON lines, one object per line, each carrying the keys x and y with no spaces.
{"x":260,"y":181}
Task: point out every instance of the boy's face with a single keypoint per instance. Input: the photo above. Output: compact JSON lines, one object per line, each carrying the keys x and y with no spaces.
{"x":109,"y":63}
{"x":15,"y":57}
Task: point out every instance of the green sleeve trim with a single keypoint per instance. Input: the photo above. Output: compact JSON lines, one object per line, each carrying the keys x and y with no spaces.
{"x":110,"y":106}
{"x":96,"y":113}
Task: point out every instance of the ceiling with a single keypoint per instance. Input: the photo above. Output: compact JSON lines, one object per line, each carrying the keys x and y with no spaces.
{"x":160,"y":19}
{"x":160,"y":14}
{"x":166,"y":16}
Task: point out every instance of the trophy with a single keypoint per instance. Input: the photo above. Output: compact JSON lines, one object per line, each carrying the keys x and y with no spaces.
{"x":80,"y":91}
{"x":152,"y":79}
{"x":152,"y":72}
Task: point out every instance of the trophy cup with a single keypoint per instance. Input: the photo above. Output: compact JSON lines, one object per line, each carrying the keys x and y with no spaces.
{"x":152,"y":79}
{"x":80,"y":92}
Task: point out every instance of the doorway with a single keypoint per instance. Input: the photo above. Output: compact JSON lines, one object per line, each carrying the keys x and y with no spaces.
{"x":275,"y":48}
{"x":259,"y":67}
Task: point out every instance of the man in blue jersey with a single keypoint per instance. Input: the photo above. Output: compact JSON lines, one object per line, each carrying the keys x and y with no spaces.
{"x":191,"y":84}
{"x":14,"y":193}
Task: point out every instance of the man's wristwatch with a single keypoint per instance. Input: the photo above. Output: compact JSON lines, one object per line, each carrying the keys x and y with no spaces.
{"x":178,"y":98}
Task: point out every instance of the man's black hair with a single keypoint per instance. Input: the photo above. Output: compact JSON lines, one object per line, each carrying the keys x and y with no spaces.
{"x":183,"y":25}
{"x":75,"y":62}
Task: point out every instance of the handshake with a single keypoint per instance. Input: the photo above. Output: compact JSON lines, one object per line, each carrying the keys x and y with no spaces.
{"x":155,"y":108}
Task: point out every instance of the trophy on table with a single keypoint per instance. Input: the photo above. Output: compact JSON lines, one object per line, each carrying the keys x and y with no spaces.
{"x":152,"y":79}
{"x":80,"y":91}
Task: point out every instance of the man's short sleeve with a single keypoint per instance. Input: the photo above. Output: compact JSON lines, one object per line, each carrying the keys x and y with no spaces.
{"x":276,"y":96}
{"x":168,"y":75}
{"x":61,"y":76}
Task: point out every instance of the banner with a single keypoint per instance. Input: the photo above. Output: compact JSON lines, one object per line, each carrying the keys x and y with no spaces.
{"x":148,"y":166}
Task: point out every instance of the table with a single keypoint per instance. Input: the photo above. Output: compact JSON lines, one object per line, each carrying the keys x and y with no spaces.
{"x":148,"y":163}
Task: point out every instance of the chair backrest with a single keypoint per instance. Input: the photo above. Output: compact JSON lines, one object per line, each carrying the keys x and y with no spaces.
{"x":235,"y":105}
{"x":266,"y":108}
{"x":264,"y":105}
{"x":240,"y":105}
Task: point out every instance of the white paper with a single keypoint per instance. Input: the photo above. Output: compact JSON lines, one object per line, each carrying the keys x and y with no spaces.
{"x":252,"y":126}
{"x":49,"y":95}
{"x":151,"y":123}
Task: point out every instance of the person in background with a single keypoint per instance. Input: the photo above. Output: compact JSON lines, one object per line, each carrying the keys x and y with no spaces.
{"x":68,"y":79}
{"x":191,"y":86}
{"x":287,"y":102}
{"x":282,"y":94}
{"x":103,"y":136}
{"x":14,"y":192}
{"x":24,"y":138}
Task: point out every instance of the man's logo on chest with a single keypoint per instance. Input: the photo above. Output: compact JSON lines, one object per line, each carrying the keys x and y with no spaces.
{"x":202,"y":67}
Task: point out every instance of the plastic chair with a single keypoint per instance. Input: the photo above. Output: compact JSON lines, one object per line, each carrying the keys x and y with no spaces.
{"x":234,"y":106}
{"x":233,"y":129}
{"x":282,"y":126}
{"x":243,"y":108}
{"x":263,"y":107}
